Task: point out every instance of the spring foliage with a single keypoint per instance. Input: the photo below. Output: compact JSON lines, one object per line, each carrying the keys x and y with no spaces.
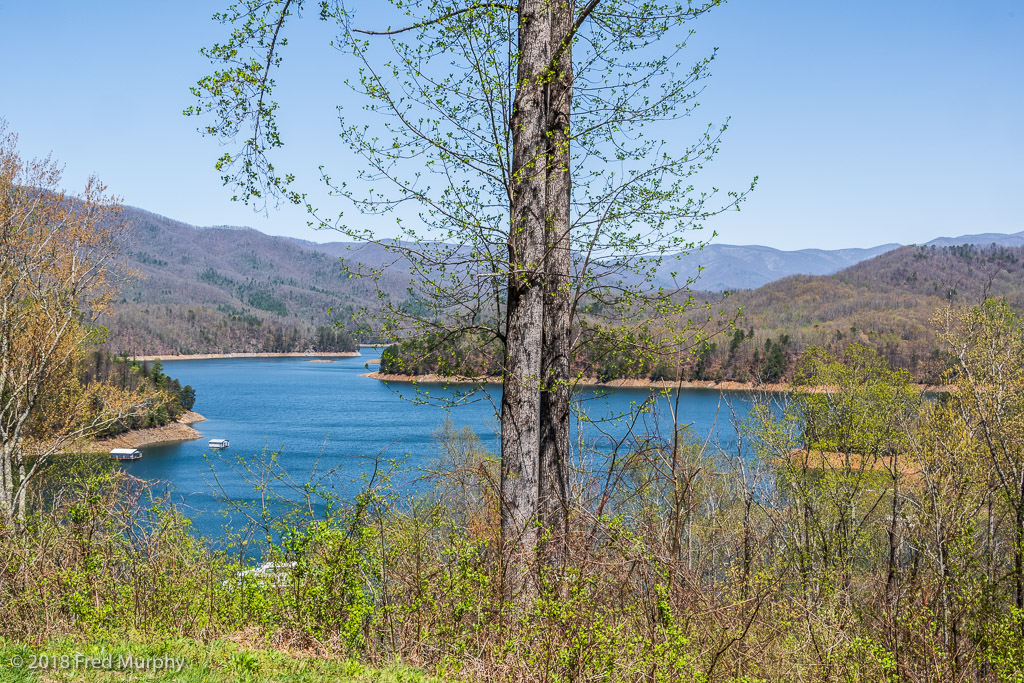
{"x":57,"y":261}
{"x":856,"y":531}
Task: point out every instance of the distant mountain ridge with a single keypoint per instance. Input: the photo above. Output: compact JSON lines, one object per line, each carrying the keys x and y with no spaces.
{"x":729,"y":267}
{"x":233,"y":288}
{"x":721,"y":267}
{"x":983,"y":239}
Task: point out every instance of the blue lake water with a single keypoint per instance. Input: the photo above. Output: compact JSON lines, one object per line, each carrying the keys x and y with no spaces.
{"x":318,"y":416}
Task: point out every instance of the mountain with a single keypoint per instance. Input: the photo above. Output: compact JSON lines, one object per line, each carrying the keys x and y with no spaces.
{"x":985,"y":238}
{"x":889,"y":302}
{"x":729,"y":267}
{"x":228,"y":289}
{"x":892,"y":303}
{"x":231,"y":289}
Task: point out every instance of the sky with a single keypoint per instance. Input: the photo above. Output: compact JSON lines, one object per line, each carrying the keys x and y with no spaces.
{"x":866,"y":123}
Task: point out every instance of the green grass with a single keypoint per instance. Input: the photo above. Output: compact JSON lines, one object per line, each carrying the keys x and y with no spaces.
{"x":200,"y":662}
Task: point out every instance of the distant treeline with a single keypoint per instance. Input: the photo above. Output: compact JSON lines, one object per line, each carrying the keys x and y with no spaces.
{"x":225,"y":328}
{"x":740,"y":357}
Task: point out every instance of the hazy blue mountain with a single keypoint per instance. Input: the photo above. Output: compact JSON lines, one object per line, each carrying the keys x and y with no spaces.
{"x":734,"y":267}
{"x":983,"y":239}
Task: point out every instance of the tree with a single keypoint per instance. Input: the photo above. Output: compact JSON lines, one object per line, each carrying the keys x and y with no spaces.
{"x":187,"y":397}
{"x":838,"y":443}
{"x":987,"y":347}
{"x":528,"y":137}
{"x":56,"y":256}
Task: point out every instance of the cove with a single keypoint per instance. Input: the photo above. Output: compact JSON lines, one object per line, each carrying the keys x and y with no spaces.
{"x":318,"y":416}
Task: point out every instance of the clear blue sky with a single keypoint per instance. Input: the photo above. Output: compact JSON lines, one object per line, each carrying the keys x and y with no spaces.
{"x":867,"y":122}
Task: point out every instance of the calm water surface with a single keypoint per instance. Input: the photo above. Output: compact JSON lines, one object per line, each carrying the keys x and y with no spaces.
{"x":318,"y":416}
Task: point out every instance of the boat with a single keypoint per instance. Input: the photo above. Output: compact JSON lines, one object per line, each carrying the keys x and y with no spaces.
{"x":218,"y":443}
{"x":268,"y":574}
{"x":125,"y":454}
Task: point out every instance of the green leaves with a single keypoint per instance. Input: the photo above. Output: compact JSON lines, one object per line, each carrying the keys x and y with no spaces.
{"x":854,"y":404}
{"x":440,"y":90}
{"x":238,"y":97}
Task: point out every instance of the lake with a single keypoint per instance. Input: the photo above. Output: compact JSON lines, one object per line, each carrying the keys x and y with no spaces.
{"x":318,"y":416}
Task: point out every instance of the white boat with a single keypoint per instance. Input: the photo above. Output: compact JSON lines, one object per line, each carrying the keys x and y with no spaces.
{"x":272,"y":574}
{"x":125,"y":454}
{"x":219,"y":443}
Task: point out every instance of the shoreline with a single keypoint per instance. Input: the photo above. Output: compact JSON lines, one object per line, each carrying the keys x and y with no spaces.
{"x":588,"y":382}
{"x":727,"y":385}
{"x":284,"y":354}
{"x":174,"y":432}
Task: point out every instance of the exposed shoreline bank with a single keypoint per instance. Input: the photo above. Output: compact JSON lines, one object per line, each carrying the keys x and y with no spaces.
{"x":620,"y":383}
{"x":180,"y":430}
{"x":286,"y":354}
{"x":587,"y":382}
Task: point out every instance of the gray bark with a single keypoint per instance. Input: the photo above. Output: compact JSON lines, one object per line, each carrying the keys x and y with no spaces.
{"x":556,"y":366}
{"x":7,"y":483}
{"x":520,"y":404}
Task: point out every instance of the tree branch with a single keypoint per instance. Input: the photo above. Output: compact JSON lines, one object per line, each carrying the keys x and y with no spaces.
{"x":438,"y":20}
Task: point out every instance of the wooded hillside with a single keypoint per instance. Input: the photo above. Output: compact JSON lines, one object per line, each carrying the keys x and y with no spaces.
{"x":217,"y":290}
{"x":888,"y":303}
{"x":224,"y":289}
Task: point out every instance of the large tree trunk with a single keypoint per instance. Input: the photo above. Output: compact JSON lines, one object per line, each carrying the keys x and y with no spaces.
{"x":555,"y":414}
{"x":520,"y":403}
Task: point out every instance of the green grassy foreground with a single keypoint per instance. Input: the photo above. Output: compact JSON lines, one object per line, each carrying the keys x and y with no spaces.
{"x":159,"y":660}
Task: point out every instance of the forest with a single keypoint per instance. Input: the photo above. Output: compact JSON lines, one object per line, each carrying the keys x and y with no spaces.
{"x":757,"y":336}
{"x":98,"y":367}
